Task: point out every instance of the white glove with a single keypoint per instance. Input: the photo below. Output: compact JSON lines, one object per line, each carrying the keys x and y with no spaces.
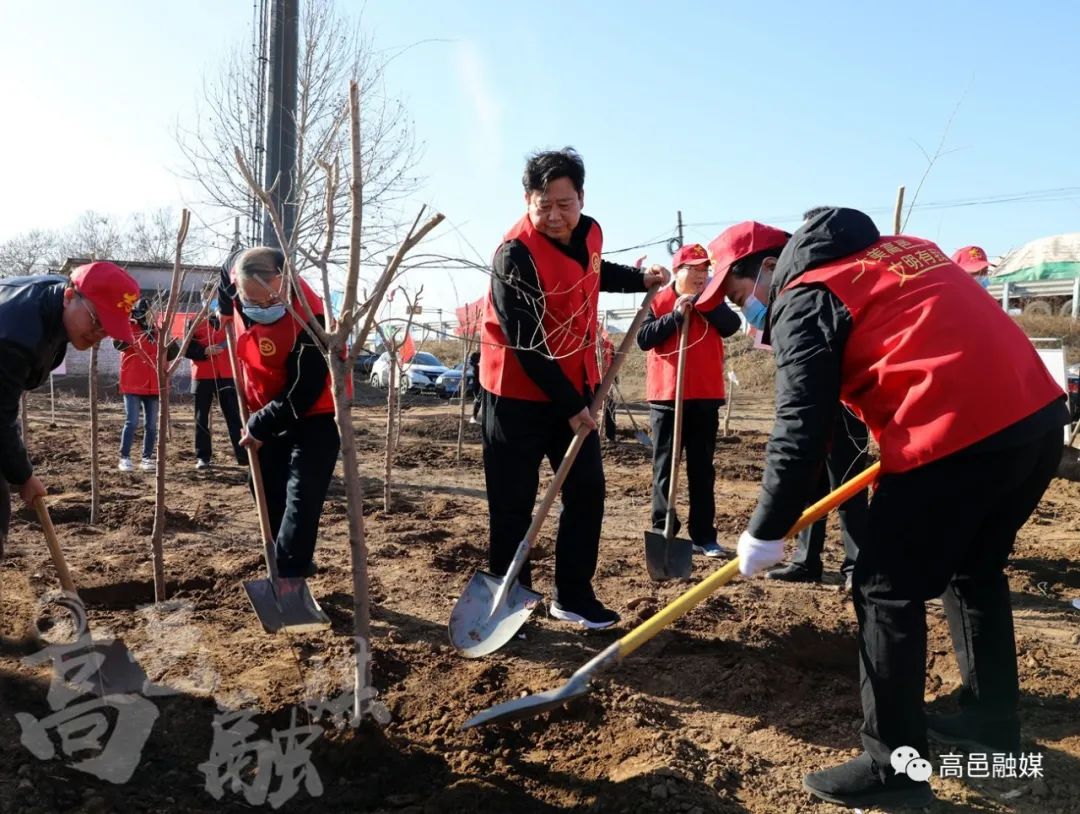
{"x":756,"y":555}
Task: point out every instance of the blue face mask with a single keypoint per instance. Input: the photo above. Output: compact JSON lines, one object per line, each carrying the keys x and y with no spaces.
{"x":755,"y":310}
{"x":984,"y":281}
{"x":265,"y":314}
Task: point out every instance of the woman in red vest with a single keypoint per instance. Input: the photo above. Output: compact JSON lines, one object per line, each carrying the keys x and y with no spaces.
{"x":287,"y":389}
{"x":539,"y":371}
{"x":703,"y":391}
{"x":212,"y":377}
{"x":139,"y":386}
{"x":899,"y":333}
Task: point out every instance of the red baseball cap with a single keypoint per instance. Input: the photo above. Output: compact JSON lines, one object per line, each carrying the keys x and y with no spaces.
{"x":113,"y":293}
{"x":692,"y":255}
{"x":971,"y":259}
{"x":733,"y":244}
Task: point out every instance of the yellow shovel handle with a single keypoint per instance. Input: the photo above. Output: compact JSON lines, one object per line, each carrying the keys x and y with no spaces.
{"x":689,"y":600}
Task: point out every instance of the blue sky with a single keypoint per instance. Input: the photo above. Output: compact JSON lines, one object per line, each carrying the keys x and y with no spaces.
{"x":723,"y":110}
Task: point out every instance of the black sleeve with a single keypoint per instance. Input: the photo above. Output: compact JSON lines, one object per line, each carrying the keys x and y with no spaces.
{"x":226,"y":290}
{"x":657,"y":330}
{"x":618,"y":278}
{"x":725,"y":320}
{"x":172,"y":350}
{"x":196,"y":351}
{"x":305,"y":378}
{"x":119,"y":345}
{"x":15,"y":362}
{"x":810,"y":327}
{"x":517,"y":297}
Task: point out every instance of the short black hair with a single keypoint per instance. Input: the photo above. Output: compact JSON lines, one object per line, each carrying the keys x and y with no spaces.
{"x":814,"y":211}
{"x":549,"y":165}
{"x":749,"y":266}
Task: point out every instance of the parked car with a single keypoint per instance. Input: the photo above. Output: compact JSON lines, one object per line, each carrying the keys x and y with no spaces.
{"x":1074,"y":391}
{"x":365,"y":359}
{"x":418,"y":375}
{"x":446,"y":386}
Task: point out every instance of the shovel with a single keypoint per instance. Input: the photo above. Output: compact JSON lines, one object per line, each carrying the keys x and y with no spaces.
{"x":578,"y":685}
{"x":281,"y":603}
{"x":118,"y":673}
{"x":640,"y":434}
{"x":492,"y":609}
{"x":668,"y":556}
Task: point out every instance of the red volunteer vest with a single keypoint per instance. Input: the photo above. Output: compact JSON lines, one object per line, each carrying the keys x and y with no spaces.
{"x":571,"y":294}
{"x":704,"y":357}
{"x":212,"y":367}
{"x":262,"y":351}
{"x":138,"y":366}
{"x":932,"y":365}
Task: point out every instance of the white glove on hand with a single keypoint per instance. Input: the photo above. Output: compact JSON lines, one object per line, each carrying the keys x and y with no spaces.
{"x":756,"y":555}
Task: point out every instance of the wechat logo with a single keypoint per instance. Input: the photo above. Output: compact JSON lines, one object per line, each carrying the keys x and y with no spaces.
{"x":906,"y":760}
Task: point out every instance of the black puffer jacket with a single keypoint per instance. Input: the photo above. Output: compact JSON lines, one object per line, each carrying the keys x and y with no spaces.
{"x":32,"y":343}
{"x":808,"y":327}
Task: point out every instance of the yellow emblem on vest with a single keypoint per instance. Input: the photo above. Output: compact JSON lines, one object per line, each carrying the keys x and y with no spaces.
{"x":267,"y":347}
{"x":596,"y":262}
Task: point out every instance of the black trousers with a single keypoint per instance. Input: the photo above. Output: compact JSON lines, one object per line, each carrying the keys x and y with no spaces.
{"x":847,"y":458}
{"x":518,"y":435}
{"x":944,"y":528}
{"x":700,"y":424}
{"x":225,"y":391}
{"x":296,"y":471}
{"x":609,"y":418}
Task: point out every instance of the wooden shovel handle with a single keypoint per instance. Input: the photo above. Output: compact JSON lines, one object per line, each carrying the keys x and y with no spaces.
{"x":676,"y":432}
{"x":253,"y":460}
{"x":66,"y":582}
{"x":582,"y":433}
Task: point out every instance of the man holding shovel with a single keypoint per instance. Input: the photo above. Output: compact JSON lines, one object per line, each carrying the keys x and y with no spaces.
{"x":539,"y":370}
{"x":894,"y":329}
{"x":703,"y":391}
{"x":287,"y":389}
{"x":39,"y":316}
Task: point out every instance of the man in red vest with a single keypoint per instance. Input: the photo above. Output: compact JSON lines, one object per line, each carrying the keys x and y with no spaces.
{"x":703,"y":391}
{"x":895,"y":330}
{"x":287,"y":390}
{"x":974,"y":261}
{"x":212,"y":376}
{"x":539,"y":371}
{"x":139,"y":385}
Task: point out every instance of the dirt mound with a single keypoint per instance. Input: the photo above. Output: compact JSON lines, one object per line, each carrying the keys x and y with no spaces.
{"x":444,"y":427}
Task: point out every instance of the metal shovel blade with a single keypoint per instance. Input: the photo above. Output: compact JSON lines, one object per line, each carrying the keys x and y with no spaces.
{"x":291,"y":607}
{"x":477,"y":627}
{"x":531,"y":705}
{"x":668,"y":559}
{"x":643,"y":439}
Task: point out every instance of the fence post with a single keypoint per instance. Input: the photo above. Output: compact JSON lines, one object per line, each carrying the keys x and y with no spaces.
{"x":1076,"y":299}
{"x":1005,"y":296}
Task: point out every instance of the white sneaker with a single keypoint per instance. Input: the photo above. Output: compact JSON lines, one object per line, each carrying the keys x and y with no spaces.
{"x":201,"y":464}
{"x":147,"y":465}
{"x":125,"y":465}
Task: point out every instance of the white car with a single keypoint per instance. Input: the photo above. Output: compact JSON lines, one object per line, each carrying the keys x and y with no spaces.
{"x":418,"y":375}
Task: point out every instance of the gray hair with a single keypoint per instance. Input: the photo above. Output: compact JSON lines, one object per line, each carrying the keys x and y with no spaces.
{"x":261,"y":263}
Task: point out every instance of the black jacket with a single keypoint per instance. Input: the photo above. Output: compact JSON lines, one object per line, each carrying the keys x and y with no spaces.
{"x":808,"y":328}
{"x":33,"y":342}
{"x":517,"y":297}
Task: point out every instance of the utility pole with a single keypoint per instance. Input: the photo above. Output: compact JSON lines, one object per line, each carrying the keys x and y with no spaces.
{"x":682,"y":242}
{"x":236,"y":233}
{"x":281,"y":115}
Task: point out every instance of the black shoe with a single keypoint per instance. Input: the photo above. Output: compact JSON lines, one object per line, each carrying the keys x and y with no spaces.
{"x":590,"y":614}
{"x":858,"y":784}
{"x":794,"y":572}
{"x":963,"y":729}
{"x":308,"y":571}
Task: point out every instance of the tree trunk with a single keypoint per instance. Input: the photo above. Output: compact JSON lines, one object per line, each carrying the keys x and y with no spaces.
{"x":461,"y":394}
{"x":354,"y":495}
{"x":157,"y":536}
{"x":95,"y":475}
{"x":391,"y":413}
